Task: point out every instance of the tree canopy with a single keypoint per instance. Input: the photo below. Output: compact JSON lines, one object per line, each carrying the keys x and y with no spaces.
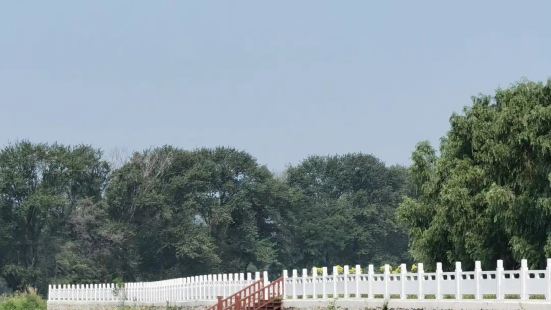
{"x":486,"y":196}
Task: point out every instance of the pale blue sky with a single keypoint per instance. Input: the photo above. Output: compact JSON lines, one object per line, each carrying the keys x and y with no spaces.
{"x":279,"y":79}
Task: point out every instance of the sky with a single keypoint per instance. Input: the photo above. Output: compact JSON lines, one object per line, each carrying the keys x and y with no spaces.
{"x":281,"y":80}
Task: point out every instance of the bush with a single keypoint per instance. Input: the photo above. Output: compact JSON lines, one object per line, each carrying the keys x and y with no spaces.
{"x":28,"y":301}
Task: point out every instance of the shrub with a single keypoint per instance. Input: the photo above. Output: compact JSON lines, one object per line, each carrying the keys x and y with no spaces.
{"x":27,"y":301}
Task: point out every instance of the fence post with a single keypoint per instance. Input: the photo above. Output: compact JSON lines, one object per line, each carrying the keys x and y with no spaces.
{"x":265,"y":277}
{"x":219,"y":285}
{"x":438,"y":281}
{"x":370,"y":274}
{"x":548,"y":280}
{"x":143,"y":288}
{"x":294,"y":283}
{"x":201,"y":287}
{"x":314,"y":276}
{"x":234,"y":277}
{"x":242,"y":282}
{"x":170,"y":290}
{"x":420,"y":279}
{"x":499,"y":277}
{"x":191,"y":288}
{"x":110,"y":293}
{"x":173,"y":291}
{"x":523,"y":279}
{"x":225,"y":285}
{"x":233,"y":283}
{"x":129,"y":287}
{"x":206,"y":287}
{"x":285,"y":277}
{"x":187,"y":288}
{"x":386,"y":279}
{"x":151,"y":292}
{"x":403,"y":275}
{"x":477,"y":274}
{"x":458,"y":280}
{"x":335,"y":274}
{"x":179,"y":289}
{"x":304,"y":279}
{"x":215,"y":286}
{"x":324,"y":282}
{"x":346,"y":273}
{"x":358,"y":272}
{"x":210,"y":287}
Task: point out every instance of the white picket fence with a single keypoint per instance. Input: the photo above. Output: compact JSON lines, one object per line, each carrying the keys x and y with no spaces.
{"x":497,"y":284}
{"x":173,"y":291}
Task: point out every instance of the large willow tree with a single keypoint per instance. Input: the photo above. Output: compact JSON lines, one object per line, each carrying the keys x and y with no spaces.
{"x":487,"y":196}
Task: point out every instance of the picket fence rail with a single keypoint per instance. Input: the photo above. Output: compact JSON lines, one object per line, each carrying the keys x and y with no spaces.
{"x":500,"y":284}
{"x":195,"y":288}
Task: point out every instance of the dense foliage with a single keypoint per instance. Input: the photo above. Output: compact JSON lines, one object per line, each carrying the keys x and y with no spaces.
{"x":487,"y":196}
{"x":65,"y":217}
{"x":347,"y":210}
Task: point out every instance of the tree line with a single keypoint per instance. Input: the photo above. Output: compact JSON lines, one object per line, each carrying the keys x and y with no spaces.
{"x":68,"y":216}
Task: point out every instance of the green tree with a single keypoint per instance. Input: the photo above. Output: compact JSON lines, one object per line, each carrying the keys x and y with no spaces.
{"x":487,"y":196}
{"x":188,"y":212}
{"x":346,"y":210}
{"x":40,"y":186}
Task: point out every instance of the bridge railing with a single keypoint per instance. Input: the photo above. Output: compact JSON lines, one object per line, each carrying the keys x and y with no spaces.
{"x":499,"y":284}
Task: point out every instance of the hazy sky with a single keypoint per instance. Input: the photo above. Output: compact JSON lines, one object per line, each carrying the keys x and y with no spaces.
{"x":279,"y":79}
